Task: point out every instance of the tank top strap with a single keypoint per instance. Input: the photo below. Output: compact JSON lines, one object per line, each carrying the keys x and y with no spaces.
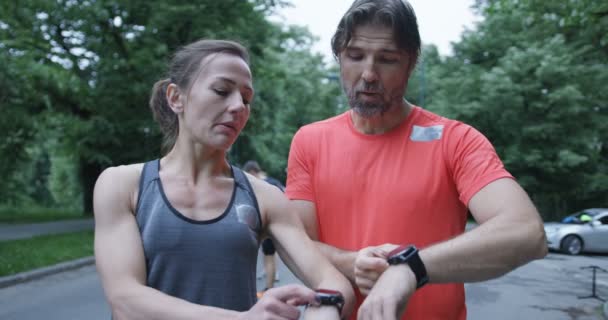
{"x":148,"y":174}
{"x":240,"y":177}
{"x":242,"y":182}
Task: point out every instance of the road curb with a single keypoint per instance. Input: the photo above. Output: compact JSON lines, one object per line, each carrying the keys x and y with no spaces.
{"x":46,"y":271}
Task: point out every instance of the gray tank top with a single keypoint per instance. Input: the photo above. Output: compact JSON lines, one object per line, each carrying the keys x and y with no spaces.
{"x":210,"y":262}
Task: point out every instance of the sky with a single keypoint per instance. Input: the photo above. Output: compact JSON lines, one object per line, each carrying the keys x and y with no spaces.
{"x":439,"y":21}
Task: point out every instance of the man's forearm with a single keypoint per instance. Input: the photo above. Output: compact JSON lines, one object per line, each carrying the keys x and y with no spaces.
{"x":343,"y":260}
{"x":488,"y":251}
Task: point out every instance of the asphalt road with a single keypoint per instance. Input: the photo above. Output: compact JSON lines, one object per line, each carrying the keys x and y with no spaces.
{"x":23,"y":231}
{"x":545,"y":289}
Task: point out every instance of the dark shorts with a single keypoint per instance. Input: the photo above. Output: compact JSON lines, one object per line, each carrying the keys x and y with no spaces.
{"x":268,"y":247}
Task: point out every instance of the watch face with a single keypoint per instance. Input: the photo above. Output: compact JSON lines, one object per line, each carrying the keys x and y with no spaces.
{"x":401,"y":254}
{"x":329,"y":297}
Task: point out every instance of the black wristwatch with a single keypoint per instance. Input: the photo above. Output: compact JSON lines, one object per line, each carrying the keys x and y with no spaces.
{"x":409,"y":255}
{"x":327,"y":297}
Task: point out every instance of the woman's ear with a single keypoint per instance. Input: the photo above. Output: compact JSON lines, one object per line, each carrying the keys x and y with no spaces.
{"x":175,"y":98}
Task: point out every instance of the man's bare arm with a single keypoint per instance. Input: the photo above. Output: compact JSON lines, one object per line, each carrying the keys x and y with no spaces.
{"x":510,"y":234}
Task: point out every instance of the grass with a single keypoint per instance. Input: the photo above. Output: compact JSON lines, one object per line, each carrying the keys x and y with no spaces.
{"x":36,"y":214}
{"x":27,"y":254}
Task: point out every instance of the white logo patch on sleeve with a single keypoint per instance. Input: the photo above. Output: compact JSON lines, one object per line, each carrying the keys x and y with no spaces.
{"x":423,"y":134}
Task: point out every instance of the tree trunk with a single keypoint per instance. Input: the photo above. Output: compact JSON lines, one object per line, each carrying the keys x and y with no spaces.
{"x":88,"y":175}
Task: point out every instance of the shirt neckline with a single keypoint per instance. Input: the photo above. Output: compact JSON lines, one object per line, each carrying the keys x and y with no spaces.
{"x":394,"y":131}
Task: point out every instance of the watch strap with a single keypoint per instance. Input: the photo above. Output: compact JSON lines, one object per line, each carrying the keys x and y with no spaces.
{"x":327,"y":297}
{"x":409,"y":255}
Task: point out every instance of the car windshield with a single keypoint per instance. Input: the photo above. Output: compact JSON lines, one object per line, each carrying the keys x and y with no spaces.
{"x":581,"y":217}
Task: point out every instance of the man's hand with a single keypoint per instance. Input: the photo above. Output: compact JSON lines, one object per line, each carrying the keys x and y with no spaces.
{"x":280,"y":303}
{"x":370,"y":264}
{"x":389,"y":296}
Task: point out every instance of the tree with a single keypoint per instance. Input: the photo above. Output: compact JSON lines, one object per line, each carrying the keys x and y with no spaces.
{"x":294,"y":88}
{"x":85,"y":69}
{"x":532,"y":78}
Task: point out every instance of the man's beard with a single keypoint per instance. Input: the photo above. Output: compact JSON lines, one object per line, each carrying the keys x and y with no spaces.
{"x":368,"y":109}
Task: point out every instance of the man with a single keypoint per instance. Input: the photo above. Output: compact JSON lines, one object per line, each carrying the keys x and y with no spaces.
{"x":389,"y":173}
{"x":270,"y":266}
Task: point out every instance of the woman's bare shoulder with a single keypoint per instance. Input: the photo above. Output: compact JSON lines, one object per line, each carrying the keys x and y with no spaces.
{"x":124,"y":174}
{"x":119,"y":184}
{"x":270,"y":198}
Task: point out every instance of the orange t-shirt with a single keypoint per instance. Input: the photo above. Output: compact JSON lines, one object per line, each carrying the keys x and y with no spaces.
{"x":410,"y":185}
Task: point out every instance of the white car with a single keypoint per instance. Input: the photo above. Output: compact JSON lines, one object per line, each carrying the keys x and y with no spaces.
{"x":584,"y":231}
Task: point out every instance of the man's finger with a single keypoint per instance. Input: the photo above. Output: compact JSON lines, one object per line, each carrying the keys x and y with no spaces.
{"x":371,"y":263}
{"x":364,"y":285}
{"x":370,"y":275}
{"x":385,"y":249}
{"x":299,"y":302}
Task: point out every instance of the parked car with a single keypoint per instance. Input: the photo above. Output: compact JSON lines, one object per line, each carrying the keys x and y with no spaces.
{"x":583,"y":231}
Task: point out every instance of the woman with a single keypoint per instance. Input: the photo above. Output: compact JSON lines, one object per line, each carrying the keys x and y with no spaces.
{"x":177,"y":238}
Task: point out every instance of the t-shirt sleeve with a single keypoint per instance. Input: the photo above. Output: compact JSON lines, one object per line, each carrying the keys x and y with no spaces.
{"x":473,"y":160}
{"x":299,"y":167}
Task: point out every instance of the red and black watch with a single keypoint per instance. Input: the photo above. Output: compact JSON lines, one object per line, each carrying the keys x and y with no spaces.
{"x":327,"y":297}
{"x":409,"y":255}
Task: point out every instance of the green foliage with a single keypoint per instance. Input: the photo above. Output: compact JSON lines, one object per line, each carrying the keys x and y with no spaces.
{"x":28,"y":254}
{"x":17,"y":132}
{"x":76,"y":77}
{"x":92,"y":64}
{"x":532,"y":77}
{"x":421,"y":87}
{"x":63,"y":183}
{"x":293,"y":89}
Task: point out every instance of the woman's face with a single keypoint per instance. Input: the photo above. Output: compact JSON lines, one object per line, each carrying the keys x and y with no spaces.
{"x":218,"y":104}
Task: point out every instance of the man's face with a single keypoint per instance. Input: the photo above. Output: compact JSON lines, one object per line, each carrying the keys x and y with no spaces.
{"x":374,"y":71}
